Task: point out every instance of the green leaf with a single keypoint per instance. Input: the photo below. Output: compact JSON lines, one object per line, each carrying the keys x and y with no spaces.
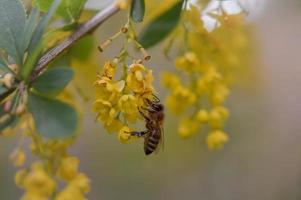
{"x":53,"y":81}
{"x":137,"y":10}
{"x":38,"y":34}
{"x":12,"y":22}
{"x":36,"y":43}
{"x":68,"y":9}
{"x":158,"y":29}
{"x":53,"y":118}
{"x":29,"y":29}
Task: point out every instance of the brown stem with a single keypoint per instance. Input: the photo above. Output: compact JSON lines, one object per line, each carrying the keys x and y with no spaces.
{"x":83,"y":30}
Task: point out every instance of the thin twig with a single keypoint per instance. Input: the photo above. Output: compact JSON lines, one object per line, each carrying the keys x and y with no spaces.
{"x":83,"y":30}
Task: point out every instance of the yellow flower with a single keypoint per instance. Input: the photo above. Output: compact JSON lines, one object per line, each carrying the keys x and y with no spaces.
{"x":188,"y":127}
{"x":188,"y":63}
{"x":108,"y":90}
{"x":106,"y":113}
{"x":113,"y":125}
{"x":217,"y":139}
{"x":212,"y":75}
{"x":219,"y":94}
{"x":109,"y":70}
{"x":202,"y":116}
{"x":139,"y":79}
{"x":37,"y":181}
{"x":128,"y":104}
{"x":81,"y":182}
{"x":218,"y":116}
{"x":124,"y":134}
{"x":170,"y":80}
{"x":68,"y":168}
{"x":180,"y":99}
{"x":18,"y":157}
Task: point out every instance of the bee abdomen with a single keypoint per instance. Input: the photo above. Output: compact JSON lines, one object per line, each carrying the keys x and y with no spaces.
{"x":150,"y":145}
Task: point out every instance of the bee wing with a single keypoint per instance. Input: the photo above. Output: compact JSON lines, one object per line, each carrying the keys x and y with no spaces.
{"x":162,"y":141}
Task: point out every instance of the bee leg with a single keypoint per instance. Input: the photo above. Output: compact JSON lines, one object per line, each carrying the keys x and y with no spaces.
{"x":147,"y":109}
{"x":143,"y":115}
{"x":138,"y":134}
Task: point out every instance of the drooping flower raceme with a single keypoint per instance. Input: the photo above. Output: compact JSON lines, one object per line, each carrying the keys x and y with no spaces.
{"x":207,"y":67}
{"x":118,"y":99}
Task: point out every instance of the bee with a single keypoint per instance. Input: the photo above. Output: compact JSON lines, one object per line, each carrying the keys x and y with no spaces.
{"x":154,"y":117}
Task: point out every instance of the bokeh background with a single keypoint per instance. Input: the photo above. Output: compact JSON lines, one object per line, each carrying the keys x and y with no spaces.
{"x":262,"y":160}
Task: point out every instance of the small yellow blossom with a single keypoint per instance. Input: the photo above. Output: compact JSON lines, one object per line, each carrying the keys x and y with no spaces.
{"x":180,"y":99}
{"x":109,"y":70}
{"x":188,"y":63}
{"x":68,"y":168}
{"x":188,"y":127}
{"x":139,"y":79}
{"x":217,"y":139}
{"x":128,"y":104}
{"x":218,"y":115}
{"x":81,"y":182}
{"x":37,"y":181}
{"x":170,"y":80}
{"x":202,"y":116}
{"x":105,"y":110}
{"x":124,"y":134}
{"x":219,"y":94}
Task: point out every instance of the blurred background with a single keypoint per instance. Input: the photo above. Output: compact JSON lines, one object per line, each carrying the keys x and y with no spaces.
{"x":262,"y":159}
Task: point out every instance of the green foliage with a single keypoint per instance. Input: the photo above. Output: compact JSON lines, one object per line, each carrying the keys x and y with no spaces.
{"x":12,"y":23}
{"x":35,"y":46}
{"x":54,"y":119}
{"x":137,"y":10}
{"x":53,"y":81}
{"x":159,"y":28}
{"x":70,"y":10}
{"x":29,"y":29}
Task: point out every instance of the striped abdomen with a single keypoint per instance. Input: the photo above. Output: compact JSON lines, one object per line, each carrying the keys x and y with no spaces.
{"x":152,"y":141}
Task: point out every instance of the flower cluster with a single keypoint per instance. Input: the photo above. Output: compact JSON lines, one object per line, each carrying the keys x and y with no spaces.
{"x":118,"y":99}
{"x":42,"y":179}
{"x":206,"y":66}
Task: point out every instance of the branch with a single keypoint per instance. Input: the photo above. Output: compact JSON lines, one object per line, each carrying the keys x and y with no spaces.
{"x":83,"y":30}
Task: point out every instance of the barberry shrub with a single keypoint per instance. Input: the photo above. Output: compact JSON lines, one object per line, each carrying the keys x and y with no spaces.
{"x":44,"y":80}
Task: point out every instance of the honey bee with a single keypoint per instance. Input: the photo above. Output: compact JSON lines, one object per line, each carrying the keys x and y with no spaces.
{"x":154,"y":117}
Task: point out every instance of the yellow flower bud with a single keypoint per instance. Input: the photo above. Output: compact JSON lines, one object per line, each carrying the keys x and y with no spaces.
{"x":188,"y":127}
{"x":202,"y":116}
{"x":68,"y":168}
{"x":124,"y":134}
{"x":217,"y":139}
